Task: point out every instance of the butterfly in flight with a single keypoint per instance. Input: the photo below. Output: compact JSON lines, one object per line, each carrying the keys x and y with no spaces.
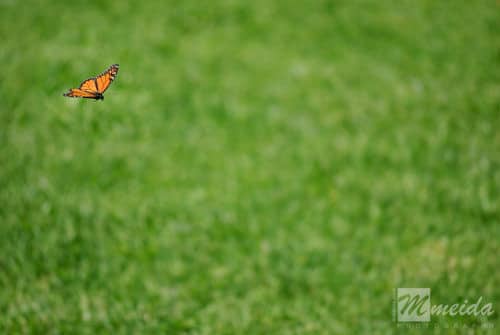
{"x":94,"y":88}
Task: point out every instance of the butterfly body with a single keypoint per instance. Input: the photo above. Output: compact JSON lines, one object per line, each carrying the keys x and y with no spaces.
{"x":94,"y":88}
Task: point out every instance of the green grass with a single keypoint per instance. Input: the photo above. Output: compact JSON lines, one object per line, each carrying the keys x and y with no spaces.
{"x":261,"y":168}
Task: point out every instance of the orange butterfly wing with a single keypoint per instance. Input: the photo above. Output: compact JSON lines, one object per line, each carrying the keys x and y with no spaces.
{"x":89,"y":85}
{"x":78,"y":93}
{"x":93,"y":87}
{"x":106,"y":78}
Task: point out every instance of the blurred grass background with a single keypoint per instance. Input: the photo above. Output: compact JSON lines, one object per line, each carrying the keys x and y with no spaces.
{"x":256,"y":168}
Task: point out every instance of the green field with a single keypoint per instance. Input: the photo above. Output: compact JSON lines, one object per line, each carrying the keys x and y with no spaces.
{"x":263,"y":167}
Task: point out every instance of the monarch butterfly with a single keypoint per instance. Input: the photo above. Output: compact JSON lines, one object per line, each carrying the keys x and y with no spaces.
{"x":93,"y":88}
